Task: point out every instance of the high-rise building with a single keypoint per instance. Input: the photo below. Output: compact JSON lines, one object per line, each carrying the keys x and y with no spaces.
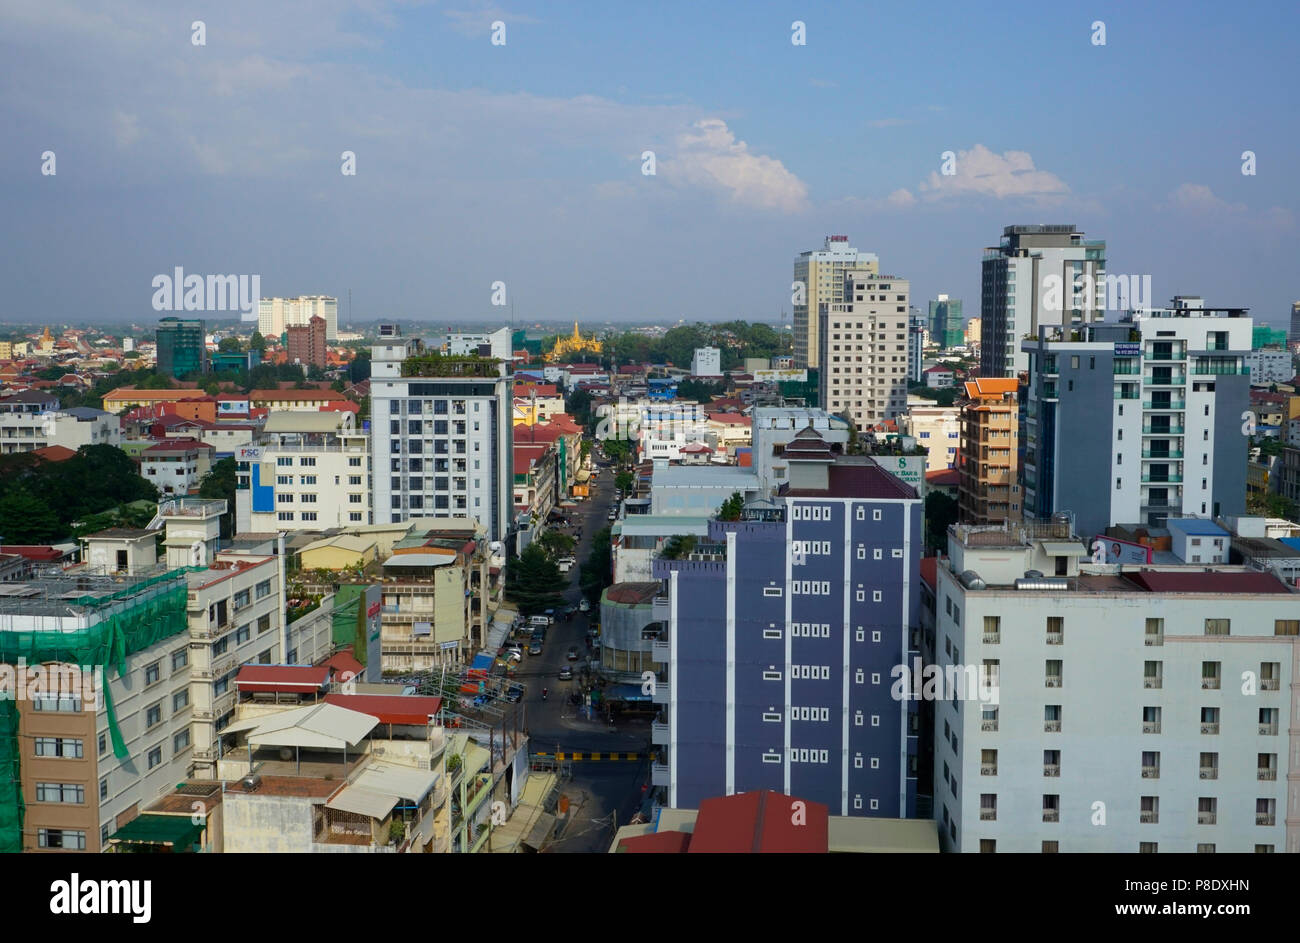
{"x":182,"y":347}
{"x":945,"y":325}
{"x":821,"y":273}
{"x":1038,"y":275}
{"x":989,"y":492}
{"x":916,"y":334}
{"x":1110,"y":691}
{"x":1293,"y":338}
{"x":274,"y":315}
{"x":442,"y":438}
{"x":305,"y":343}
{"x":864,"y":350}
{"x":783,"y":631}
{"x":498,"y":343}
{"x":973,"y":327}
{"x":1139,"y":420}
{"x":706,"y":362}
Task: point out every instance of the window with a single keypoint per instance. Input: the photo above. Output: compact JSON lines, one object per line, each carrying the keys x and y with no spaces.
{"x":103,"y":744}
{"x":60,"y":747}
{"x":242,"y":634}
{"x":180,"y":700}
{"x":155,"y":757}
{"x":241,"y":599}
{"x":153,"y":715}
{"x":153,"y":673}
{"x":67,"y":839}
{"x":70,"y":793}
{"x":181,"y":741}
{"x":180,"y":658}
{"x":1217,"y":626}
{"x":263,"y":624}
{"x":263,"y":589}
{"x":1286,"y":627}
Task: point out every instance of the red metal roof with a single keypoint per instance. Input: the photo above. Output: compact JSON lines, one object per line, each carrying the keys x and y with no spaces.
{"x":1202,"y":582}
{"x":764,"y":821}
{"x":282,"y":679}
{"x":930,"y":571}
{"x":340,"y":663}
{"x":854,"y":481}
{"x":35,"y":552}
{"x":390,"y":708}
{"x":656,"y":843}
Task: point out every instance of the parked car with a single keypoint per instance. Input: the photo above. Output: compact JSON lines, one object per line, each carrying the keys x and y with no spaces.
{"x":515,"y":694}
{"x":573,"y":653}
{"x":535,"y":648}
{"x":566,"y":673}
{"x":584,"y":606}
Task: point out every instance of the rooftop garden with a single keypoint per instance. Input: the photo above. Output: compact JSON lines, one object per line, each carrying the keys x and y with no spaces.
{"x":450,"y":365}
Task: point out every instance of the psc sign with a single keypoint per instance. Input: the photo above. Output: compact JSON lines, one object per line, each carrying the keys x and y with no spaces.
{"x":373,"y":611}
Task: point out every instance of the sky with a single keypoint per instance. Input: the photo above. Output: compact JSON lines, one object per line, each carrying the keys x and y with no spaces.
{"x":522,"y":162}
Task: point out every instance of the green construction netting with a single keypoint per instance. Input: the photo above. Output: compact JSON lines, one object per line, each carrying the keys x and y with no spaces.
{"x":153,"y":829}
{"x":349,"y":625}
{"x":106,"y":644}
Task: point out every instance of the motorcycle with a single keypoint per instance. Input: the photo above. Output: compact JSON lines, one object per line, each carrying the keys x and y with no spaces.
{"x":543,"y":694}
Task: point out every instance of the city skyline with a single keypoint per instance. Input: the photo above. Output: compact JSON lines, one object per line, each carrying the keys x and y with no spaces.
{"x":522,"y":163}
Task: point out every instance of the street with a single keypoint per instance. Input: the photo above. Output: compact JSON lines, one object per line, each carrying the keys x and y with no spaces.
{"x":600,"y":788}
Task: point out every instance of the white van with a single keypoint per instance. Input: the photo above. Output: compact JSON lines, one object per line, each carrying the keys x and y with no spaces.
{"x":542,"y":621}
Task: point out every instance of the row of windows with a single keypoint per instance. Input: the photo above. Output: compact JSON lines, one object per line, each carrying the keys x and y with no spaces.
{"x":355,"y":516}
{"x":990,"y":846}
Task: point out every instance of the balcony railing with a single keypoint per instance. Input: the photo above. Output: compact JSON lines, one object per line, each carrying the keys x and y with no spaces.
{"x":1051,"y":815}
{"x":1265,"y":818}
{"x":1051,"y":769}
{"x":1150,"y":818}
{"x":1268,"y":684}
{"x":1162,"y":479}
{"x":1268,"y":730}
{"x":1267,"y":774}
{"x":1209,"y":772}
{"x":1210,"y":729}
{"x":988,"y":769}
{"x":1150,"y":726}
{"x":1153,"y":683}
{"x":992,"y":638}
{"x":989,"y":726}
{"x":1053,"y":682}
{"x":1209,"y":684}
{"x":1159,"y":404}
{"x":1151,"y":772}
{"x":1051,"y":726}
{"x":1147,"y":453}
{"x":1155,"y":638}
{"x":1055,"y":638}
{"x":1161,"y":430}
{"x":988,"y":815}
{"x":1206,"y":818}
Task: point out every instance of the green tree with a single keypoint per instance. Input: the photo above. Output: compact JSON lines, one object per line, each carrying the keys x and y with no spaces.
{"x":229,"y":345}
{"x":220,"y":482}
{"x":258,"y":342}
{"x":731,"y":508}
{"x":619,"y":451}
{"x":678,"y":546}
{"x":26,"y":519}
{"x":533,"y":580}
{"x":698,"y":390}
{"x":940,"y":511}
{"x":624,"y":481}
{"x":596,"y":572}
{"x":555,"y":544}
{"x":359,"y":368}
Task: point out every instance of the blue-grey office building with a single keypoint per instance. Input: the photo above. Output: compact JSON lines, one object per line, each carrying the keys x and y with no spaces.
{"x":783,"y":634}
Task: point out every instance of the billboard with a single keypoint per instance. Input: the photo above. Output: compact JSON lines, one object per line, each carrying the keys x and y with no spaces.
{"x":909,"y":469}
{"x":1118,"y":551}
{"x":780,"y":376}
{"x":248,"y":453}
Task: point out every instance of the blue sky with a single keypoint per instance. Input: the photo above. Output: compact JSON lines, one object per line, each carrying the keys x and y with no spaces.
{"x":521,"y":163}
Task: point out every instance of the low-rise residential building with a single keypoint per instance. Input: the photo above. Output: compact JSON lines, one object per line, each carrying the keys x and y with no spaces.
{"x":1152,"y":698}
{"x":937,"y":429}
{"x":310,"y":400}
{"x":176,"y":466}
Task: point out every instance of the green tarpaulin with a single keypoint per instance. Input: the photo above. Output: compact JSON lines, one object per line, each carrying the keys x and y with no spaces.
{"x":150,"y":829}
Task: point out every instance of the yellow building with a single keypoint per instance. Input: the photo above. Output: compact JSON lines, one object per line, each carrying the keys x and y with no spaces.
{"x":338,"y":553}
{"x":6,"y":350}
{"x":988,"y":492}
{"x":567,"y":346}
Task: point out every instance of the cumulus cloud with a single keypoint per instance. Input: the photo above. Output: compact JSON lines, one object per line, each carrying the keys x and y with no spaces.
{"x":709,"y":155}
{"x":980,"y":172}
{"x":1199,"y":200}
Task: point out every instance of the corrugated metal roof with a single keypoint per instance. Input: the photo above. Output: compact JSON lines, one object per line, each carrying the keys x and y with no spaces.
{"x":323,"y":726}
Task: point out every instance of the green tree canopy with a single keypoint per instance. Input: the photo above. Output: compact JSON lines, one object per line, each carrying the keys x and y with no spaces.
{"x":534,"y":581}
{"x":940,"y":511}
{"x":731,"y":508}
{"x":597,"y":570}
{"x":220,"y":482}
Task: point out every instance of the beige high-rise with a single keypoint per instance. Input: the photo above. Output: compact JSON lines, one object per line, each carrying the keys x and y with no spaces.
{"x":863,"y":352}
{"x":822,"y":272}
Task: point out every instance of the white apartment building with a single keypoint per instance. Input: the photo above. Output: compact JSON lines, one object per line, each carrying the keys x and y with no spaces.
{"x":774,"y":427}
{"x":1017,"y":295}
{"x":276,"y":314}
{"x":1270,"y":366}
{"x":1137,"y":708}
{"x":306,"y":471}
{"x":498,"y":343}
{"x":707,"y":362}
{"x":937,"y":429}
{"x":864,"y":350}
{"x":441,"y":436}
{"x":821,"y":273}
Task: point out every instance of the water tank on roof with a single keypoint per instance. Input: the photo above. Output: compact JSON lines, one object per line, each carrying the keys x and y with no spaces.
{"x":1043,"y":584}
{"x":971,"y":580}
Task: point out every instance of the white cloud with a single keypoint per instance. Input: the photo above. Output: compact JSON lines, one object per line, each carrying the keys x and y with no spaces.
{"x":901,"y":198}
{"x":1199,"y":200}
{"x":980,"y":172}
{"x":126,"y":129}
{"x":709,"y":155}
{"x":888,"y":122}
{"x":479,"y":20}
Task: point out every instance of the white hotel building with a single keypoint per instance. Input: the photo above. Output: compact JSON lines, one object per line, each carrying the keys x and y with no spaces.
{"x":276,"y":314}
{"x":864,"y":352}
{"x":1148,"y":709}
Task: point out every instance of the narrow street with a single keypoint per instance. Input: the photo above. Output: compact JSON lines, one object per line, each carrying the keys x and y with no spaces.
{"x":598,"y":789}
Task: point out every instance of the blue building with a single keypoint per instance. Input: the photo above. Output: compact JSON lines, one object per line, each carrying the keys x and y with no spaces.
{"x":783,"y":633}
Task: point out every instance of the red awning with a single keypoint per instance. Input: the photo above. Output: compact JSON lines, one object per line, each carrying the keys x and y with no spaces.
{"x":281,"y":679}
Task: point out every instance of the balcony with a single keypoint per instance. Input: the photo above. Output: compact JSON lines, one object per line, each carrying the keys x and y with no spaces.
{"x":1268,"y":730}
{"x":1166,"y":355}
{"x":1206,"y":818}
{"x":1051,"y":769}
{"x":1051,"y":815}
{"x":1151,"y":430}
{"x":1150,"y":818}
{"x":1051,"y":726}
{"x":1153,"y":683}
{"x":1056,"y":638}
{"x":988,"y":769}
{"x":1268,"y":684}
{"x":1151,"y":772}
{"x":1150,"y":726}
{"x":1264,"y":818}
{"x":992,"y":638}
{"x":1210,"y":684}
{"x":1162,"y":479}
{"x":1209,"y":772}
{"x":1173,"y":404}
{"x":1268,"y":775}
{"x":1130,"y":371}
{"x":1053,"y":682}
{"x":1155,"y":638}
{"x":988,"y":815}
{"x":1147,"y":453}
{"x":1209,"y":729}
{"x":988,"y":726}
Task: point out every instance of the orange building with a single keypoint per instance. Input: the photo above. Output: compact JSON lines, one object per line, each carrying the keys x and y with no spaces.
{"x":989,"y":490}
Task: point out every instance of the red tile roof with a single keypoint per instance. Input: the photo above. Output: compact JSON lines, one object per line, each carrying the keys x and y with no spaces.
{"x":54,"y":453}
{"x":341,"y":663}
{"x":930,"y":571}
{"x":854,"y":481}
{"x":390,"y":708}
{"x":943,"y":477}
{"x":1202,"y":582}
{"x":656,"y":843}
{"x":284,"y":679}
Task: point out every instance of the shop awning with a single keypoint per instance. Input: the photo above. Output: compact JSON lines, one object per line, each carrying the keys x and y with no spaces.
{"x":176,"y":831}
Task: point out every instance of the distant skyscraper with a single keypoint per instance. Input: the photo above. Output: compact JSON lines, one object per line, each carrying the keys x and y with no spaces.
{"x":274,"y":315}
{"x":306,"y":342}
{"x":822,"y":272}
{"x":441,"y":436}
{"x":946,"y":327}
{"x":1016,"y":296}
{"x":1294,"y":337}
{"x":181,"y":347}
{"x":1125,"y":430}
{"x":915,"y":344}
